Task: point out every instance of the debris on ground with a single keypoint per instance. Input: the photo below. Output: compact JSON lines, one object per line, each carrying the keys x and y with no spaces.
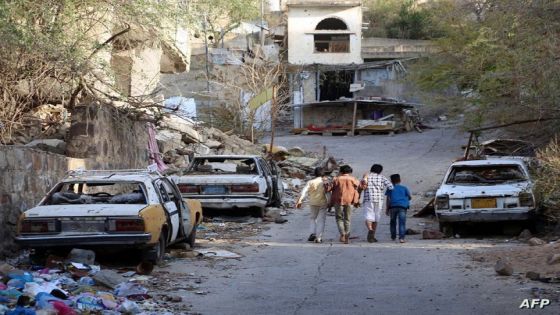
{"x":215,"y":252}
{"x":76,"y":287}
{"x":503,"y":268}
{"x":525,"y":235}
{"x":535,"y":241}
{"x":432,"y":234}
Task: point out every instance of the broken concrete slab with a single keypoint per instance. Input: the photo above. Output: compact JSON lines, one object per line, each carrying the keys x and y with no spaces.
{"x":183,"y":126}
{"x":169,"y":140}
{"x":503,"y":268}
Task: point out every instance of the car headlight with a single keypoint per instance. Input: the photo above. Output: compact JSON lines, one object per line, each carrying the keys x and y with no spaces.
{"x":38,"y":226}
{"x":526,"y":199}
{"x":442,"y":202}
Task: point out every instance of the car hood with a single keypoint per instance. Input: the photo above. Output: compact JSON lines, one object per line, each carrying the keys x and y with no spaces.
{"x":85,"y":210}
{"x":456,"y":191}
{"x":217,"y":179}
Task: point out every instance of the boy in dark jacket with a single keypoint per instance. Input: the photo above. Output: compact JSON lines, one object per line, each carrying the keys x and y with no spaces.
{"x":398,"y":201}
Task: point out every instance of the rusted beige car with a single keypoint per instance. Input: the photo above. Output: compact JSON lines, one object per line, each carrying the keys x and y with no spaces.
{"x":131,"y":208}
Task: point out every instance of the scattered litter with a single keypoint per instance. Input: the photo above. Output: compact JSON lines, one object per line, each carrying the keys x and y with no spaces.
{"x":216,"y":252}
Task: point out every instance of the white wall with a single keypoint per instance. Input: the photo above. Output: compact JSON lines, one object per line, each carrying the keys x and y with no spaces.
{"x":302,"y":22}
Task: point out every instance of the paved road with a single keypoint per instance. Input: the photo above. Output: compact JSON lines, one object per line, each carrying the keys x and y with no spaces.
{"x":280,"y":273}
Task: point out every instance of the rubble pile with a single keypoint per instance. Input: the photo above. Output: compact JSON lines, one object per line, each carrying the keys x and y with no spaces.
{"x":71,"y":286}
{"x":179,"y":139}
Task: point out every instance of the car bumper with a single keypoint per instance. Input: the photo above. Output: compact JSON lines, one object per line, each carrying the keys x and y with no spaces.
{"x":229,"y":202}
{"x":83,"y":240}
{"x":483,"y":216}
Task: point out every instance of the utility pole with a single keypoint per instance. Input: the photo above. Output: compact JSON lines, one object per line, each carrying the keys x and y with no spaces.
{"x":262,"y":23}
{"x":207,"y":73}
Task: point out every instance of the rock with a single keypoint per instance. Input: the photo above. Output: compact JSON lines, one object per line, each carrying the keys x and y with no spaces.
{"x":83,"y":256}
{"x":432,"y":235}
{"x":176,"y":299}
{"x":525,"y":235}
{"x":108,"y":278}
{"x":213,"y":144}
{"x":553,"y":259}
{"x":535,"y":241}
{"x":503,"y":268}
{"x":305,"y":162}
{"x":168,"y":140}
{"x":296,"y":151}
{"x":430,"y":194}
{"x":183,"y":126}
{"x":50,"y":145}
{"x":293,"y":172}
{"x":533,"y":275}
{"x":5,"y":269}
{"x":412,"y":232}
{"x":280,"y":220}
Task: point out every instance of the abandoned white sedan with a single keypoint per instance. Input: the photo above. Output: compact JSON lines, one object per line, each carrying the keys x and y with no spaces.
{"x":489,"y":190}
{"x":123,"y":209}
{"x":232,"y":181}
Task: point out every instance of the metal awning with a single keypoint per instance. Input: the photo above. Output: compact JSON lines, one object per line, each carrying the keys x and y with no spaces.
{"x":387,"y":103}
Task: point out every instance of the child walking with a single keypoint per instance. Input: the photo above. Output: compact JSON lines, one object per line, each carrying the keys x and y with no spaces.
{"x":316,"y":189}
{"x":374,"y":185}
{"x":345,"y":193}
{"x":398,"y":202}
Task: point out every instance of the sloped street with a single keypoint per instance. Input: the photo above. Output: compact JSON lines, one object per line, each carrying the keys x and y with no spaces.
{"x":281,"y":273}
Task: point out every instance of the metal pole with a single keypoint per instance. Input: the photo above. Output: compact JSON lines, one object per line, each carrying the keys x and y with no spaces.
{"x":207,"y":74}
{"x":354,"y":118}
{"x":262,"y":23}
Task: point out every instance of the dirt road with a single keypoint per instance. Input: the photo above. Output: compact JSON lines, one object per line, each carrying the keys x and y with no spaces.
{"x":280,"y":273}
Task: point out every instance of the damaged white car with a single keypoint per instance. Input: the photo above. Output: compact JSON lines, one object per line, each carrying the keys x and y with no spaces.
{"x":490,"y":190}
{"x":232,"y":181}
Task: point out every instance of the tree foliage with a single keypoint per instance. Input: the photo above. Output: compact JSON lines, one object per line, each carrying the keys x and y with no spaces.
{"x":502,"y":56}
{"x":219,"y":17}
{"x":404,"y":19}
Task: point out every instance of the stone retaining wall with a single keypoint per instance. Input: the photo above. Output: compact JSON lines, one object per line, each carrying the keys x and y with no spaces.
{"x":26,"y":176}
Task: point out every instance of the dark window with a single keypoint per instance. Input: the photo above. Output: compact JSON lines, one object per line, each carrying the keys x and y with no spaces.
{"x":332,"y":43}
{"x":331,"y":24}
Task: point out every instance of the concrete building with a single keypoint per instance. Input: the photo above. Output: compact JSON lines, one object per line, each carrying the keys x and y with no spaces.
{"x":324,"y":32}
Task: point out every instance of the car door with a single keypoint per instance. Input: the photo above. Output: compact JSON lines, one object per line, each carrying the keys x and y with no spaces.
{"x":277,"y":181}
{"x":171,"y":204}
{"x":184,"y":210}
{"x":268,"y":178}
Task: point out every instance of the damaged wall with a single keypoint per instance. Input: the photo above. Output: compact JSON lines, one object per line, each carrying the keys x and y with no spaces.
{"x":108,"y":137}
{"x":27,"y":175}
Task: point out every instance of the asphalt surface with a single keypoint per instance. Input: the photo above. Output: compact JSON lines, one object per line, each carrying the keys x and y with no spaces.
{"x":281,"y":273}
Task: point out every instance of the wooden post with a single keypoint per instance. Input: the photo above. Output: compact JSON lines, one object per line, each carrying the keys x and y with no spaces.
{"x":468,"y":148}
{"x":354,"y":118}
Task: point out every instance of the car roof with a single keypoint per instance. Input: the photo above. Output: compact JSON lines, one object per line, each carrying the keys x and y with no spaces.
{"x":499,"y":161}
{"x":111,"y":175}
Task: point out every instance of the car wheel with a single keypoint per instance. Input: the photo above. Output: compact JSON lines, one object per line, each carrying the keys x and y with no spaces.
{"x":191,"y":239}
{"x":258,"y":212}
{"x":160,"y":248}
{"x":446,"y":229}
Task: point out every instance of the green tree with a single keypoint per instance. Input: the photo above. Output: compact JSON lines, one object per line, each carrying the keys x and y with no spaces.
{"x":501,"y":56}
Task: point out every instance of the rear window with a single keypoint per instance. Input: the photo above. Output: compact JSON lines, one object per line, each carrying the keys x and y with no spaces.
{"x":205,"y":166}
{"x":486,"y":174}
{"x":98,"y":193}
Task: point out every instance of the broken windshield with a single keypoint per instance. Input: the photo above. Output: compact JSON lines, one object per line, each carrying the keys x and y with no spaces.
{"x":486,"y":174}
{"x":204,"y":166}
{"x":94,"y":193}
